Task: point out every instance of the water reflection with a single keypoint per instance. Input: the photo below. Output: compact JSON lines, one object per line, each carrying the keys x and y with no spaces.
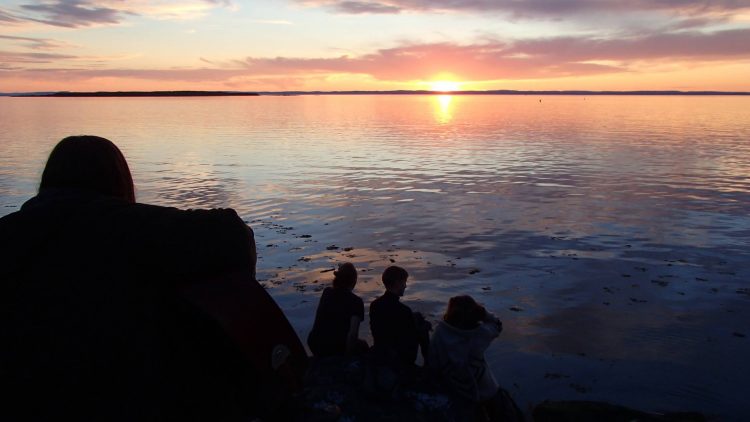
{"x":443,"y":108}
{"x":629,"y":214}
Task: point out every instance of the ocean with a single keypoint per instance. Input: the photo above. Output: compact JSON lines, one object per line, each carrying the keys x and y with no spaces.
{"x":610,"y":234}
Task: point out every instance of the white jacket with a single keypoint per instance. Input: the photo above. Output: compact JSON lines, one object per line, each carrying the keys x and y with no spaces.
{"x":458,"y":357}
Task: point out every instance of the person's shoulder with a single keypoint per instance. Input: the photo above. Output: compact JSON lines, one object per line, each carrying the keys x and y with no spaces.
{"x":378,"y":300}
{"x":353,"y":297}
{"x":376,"y":304}
{"x":327,"y":292}
{"x":215,"y":215}
{"x":404,"y":307}
{"x":10,"y":220}
{"x":208,"y":223}
{"x":211,"y":240}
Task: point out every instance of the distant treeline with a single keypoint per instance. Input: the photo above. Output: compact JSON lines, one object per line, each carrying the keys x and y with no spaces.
{"x":140,"y":94}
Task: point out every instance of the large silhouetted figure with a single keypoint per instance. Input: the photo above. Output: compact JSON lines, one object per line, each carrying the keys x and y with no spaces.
{"x":336,"y":327}
{"x":115,"y":310}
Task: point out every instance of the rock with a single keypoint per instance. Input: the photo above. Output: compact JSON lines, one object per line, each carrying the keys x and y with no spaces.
{"x":334,"y":390}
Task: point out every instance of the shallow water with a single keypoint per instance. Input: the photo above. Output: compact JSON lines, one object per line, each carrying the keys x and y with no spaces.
{"x":610,"y":234}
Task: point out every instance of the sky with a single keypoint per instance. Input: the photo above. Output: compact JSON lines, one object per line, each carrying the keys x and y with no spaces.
{"x":290,"y":45}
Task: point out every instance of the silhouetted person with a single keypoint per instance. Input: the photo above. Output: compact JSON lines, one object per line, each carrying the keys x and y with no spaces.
{"x":397,"y":332}
{"x":336,"y":328}
{"x":114,"y":310}
{"x":457,"y":356}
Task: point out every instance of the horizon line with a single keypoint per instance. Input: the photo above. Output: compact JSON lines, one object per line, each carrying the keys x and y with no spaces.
{"x":179,"y":93}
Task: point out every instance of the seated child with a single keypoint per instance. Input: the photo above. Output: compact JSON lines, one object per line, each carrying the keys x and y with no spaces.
{"x":336,"y":328}
{"x":457,"y":357}
{"x":397,"y":332}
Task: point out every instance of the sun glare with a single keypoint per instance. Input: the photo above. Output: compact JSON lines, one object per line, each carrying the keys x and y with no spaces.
{"x":445,"y":86}
{"x":443,"y":109}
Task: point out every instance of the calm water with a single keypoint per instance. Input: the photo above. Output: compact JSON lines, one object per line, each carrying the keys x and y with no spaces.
{"x":610,"y":234}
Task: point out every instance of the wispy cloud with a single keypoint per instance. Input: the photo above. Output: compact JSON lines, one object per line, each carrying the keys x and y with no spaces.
{"x":357,"y":7}
{"x":73,"y":13}
{"x":12,"y":58}
{"x":526,"y":7}
{"x":7,"y":17}
{"x":37,"y":43}
{"x":273,"y":22}
{"x":83,"y":13}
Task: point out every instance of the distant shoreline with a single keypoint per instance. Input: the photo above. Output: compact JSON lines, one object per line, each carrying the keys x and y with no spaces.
{"x":65,"y":94}
{"x":139,"y":94}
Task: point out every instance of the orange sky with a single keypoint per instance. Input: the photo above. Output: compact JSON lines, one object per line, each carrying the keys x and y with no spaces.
{"x":278,"y":45}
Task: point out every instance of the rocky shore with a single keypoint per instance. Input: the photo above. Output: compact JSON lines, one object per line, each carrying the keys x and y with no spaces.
{"x":338,"y":389}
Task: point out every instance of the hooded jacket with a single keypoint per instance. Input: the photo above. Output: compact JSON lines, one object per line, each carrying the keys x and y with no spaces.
{"x":457,"y":356}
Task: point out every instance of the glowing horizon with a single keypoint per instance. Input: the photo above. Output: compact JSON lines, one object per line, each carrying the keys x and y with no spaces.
{"x":335,"y":45}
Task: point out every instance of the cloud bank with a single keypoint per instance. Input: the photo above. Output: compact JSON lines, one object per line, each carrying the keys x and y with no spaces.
{"x":535,"y":58}
{"x":488,"y":61}
{"x":84,"y":13}
{"x":528,"y":7}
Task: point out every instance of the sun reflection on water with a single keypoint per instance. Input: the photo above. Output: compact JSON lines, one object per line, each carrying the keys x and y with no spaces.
{"x":443,"y":108}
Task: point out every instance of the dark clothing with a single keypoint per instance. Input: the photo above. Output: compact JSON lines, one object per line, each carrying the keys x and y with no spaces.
{"x":394,"y":331}
{"x":93,"y":326}
{"x":332,"y":321}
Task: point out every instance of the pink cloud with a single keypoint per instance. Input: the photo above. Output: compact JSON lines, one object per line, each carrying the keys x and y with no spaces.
{"x":548,"y":57}
{"x":493,"y":60}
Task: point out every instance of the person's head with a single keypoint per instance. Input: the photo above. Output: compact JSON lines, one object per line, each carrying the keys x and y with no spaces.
{"x":394,"y":279}
{"x":345,"y":277}
{"x":464,"y":312}
{"x":88,"y":163}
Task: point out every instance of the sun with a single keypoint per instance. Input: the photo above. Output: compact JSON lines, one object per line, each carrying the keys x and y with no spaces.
{"x":445,"y":86}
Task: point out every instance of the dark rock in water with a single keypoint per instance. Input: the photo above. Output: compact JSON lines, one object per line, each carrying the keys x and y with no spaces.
{"x":738,"y":334}
{"x":474,"y":271}
{"x":515,"y":309}
{"x":591,"y":411}
{"x":331,"y":247}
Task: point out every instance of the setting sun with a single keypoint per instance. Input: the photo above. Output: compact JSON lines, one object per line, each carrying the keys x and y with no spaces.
{"x":445,"y":86}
